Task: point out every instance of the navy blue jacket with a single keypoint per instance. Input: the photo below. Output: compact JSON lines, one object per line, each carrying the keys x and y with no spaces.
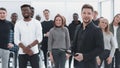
{"x":5,"y":27}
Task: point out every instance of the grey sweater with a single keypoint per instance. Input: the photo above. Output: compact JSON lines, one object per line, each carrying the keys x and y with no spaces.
{"x":109,"y":43}
{"x":58,"y":38}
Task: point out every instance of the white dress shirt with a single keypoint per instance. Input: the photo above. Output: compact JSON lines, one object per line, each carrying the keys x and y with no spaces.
{"x":26,"y":33}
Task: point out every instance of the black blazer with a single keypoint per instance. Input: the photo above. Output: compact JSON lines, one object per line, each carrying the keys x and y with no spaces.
{"x":89,"y":42}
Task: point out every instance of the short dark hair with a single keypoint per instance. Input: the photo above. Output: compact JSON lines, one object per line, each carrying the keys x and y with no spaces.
{"x":87,"y":6}
{"x":46,"y":10}
{"x":32,"y":7}
{"x":14,"y":13}
{"x":25,"y":5}
{"x":1,"y":8}
{"x":75,"y":14}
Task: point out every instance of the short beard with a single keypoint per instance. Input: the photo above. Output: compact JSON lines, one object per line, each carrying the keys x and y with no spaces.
{"x":86,"y":22}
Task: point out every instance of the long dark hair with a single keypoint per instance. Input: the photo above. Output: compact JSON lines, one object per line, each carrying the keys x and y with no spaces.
{"x":114,"y":19}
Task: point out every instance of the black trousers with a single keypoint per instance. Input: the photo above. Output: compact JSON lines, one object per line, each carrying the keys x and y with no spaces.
{"x":103,"y":57}
{"x":16,"y":55}
{"x":45,"y":57}
{"x":24,"y":58}
{"x":59,"y":58}
{"x":87,"y":64}
{"x":117,"y":59}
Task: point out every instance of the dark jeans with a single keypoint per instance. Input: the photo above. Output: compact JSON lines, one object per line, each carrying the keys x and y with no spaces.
{"x":24,"y":58}
{"x":59,"y":57}
{"x":103,"y":57}
{"x":117,"y":59}
{"x":16,"y":55}
{"x":45,"y":57}
{"x":86,"y":64}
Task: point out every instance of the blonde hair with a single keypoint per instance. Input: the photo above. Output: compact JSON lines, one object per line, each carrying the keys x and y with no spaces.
{"x":107,"y":27}
{"x":64,"y":20}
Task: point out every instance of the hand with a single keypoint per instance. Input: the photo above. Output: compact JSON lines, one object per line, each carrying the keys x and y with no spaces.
{"x":28,"y":51}
{"x":98,"y":60}
{"x":109,"y":60}
{"x":47,"y":34}
{"x":79,"y":56}
{"x":10,"y":45}
{"x":29,"y":46}
{"x":51,"y":57}
{"x":68,"y":52}
{"x":67,"y":56}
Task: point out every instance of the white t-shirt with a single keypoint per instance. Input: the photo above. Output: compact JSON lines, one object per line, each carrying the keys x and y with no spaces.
{"x":115,"y":35}
{"x":26,"y":33}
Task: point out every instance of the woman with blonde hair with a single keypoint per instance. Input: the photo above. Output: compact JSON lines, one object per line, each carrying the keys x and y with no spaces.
{"x":109,"y":45}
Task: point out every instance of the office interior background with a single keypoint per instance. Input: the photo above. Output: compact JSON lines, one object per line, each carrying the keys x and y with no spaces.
{"x":105,"y":8}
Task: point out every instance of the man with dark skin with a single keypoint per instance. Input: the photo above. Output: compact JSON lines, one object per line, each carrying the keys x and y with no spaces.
{"x":27,"y":35}
{"x":14,"y":17}
{"x":72,"y":27}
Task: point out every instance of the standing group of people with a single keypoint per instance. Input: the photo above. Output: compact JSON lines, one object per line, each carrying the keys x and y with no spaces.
{"x":90,"y":43}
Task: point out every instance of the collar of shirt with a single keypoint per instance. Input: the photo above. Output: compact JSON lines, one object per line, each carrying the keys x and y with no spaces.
{"x":47,"y":20}
{"x":88,"y":26}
